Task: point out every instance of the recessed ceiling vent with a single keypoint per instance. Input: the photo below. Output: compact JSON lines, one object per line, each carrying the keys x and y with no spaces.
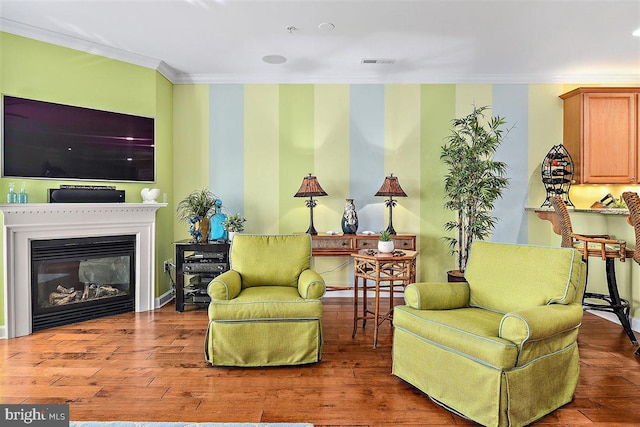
{"x":378,"y":61}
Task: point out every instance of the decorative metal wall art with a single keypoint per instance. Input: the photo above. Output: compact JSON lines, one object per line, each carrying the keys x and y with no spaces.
{"x":557,"y":174}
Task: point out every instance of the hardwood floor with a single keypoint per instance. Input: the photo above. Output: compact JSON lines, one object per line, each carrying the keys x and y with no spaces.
{"x":150,"y":367}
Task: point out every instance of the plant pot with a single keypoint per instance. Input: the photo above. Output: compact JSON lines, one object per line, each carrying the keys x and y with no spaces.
{"x":385,"y":247}
{"x":200,"y":231}
{"x":232,"y":235}
{"x":455,"y":276}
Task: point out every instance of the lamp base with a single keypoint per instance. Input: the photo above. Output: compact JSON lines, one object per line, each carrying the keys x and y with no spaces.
{"x":311,"y":230}
{"x":391,"y":203}
{"x":390,"y":230}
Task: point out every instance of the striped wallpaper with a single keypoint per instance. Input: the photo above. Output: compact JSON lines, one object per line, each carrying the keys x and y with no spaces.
{"x":264,"y":138}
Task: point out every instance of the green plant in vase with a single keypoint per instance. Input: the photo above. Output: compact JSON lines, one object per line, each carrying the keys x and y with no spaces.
{"x":385,"y":243}
{"x":234,"y":223}
{"x":195,"y":210}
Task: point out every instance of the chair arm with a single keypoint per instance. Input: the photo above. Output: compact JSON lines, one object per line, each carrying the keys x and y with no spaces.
{"x":225,"y":286}
{"x":592,"y":236}
{"x":603,"y":242}
{"x":437,"y":296}
{"x":311,"y":285}
{"x":540,"y":322}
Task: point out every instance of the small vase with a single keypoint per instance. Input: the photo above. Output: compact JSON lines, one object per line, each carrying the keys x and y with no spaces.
{"x":232,"y":235}
{"x":385,"y":247}
{"x":199,"y":230}
{"x":205,"y":227}
{"x":349,"y":218}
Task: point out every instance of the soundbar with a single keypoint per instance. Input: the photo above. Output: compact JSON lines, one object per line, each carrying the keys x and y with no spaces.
{"x":83,"y":195}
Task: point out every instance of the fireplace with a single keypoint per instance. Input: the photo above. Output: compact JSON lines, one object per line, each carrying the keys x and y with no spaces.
{"x":79,"y":279}
{"x":25,"y":223}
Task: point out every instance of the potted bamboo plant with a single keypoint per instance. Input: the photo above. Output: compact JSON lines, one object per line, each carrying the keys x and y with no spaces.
{"x":474,"y":181}
{"x":195,"y":209}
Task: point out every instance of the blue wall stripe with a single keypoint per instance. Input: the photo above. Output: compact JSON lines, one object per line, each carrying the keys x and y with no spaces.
{"x":226,"y":145}
{"x":366,"y":153}
{"x":512,"y":102}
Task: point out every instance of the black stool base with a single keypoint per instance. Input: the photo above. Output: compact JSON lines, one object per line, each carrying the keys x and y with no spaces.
{"x":612,"y":303}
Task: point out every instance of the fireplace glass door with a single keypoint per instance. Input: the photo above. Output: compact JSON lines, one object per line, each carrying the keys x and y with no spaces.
{"x":78,"y":279}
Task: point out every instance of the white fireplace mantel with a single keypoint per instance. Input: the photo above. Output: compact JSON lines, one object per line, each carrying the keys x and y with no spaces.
{"x":41,"y":221}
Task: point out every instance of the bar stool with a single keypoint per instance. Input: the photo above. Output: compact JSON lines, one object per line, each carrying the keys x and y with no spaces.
{"x":633,"y":203}
{"x":601,"y":246}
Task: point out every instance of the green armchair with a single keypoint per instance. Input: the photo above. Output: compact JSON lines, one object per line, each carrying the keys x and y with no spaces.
{"x":499,"y":349}
{"x":266,"y":310}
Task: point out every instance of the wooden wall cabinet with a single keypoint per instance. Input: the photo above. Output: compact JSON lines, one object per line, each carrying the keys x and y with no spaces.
{"x":601,"y":134}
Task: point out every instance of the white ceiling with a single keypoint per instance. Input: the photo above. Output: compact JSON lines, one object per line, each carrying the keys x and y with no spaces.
{"x":447,"y":41}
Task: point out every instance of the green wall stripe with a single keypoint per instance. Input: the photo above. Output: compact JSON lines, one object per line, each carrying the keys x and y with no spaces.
{"x":438,"y":107}
{"x":296,"y":151}
{"x":402,"y":152}
{"x":331,"y":153}
{"x":469,"y":95}
{"x":545,"y":131}
{"x":331,"y":159}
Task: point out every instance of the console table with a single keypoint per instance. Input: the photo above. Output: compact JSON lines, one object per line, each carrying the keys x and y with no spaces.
{"x":347,"y":244}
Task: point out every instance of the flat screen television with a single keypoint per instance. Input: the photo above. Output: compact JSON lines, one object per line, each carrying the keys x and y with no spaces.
{"x":48,"y":140}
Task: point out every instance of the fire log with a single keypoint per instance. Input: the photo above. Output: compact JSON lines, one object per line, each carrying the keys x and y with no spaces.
{"x":59,"y":298}
{"x":64,"y":290}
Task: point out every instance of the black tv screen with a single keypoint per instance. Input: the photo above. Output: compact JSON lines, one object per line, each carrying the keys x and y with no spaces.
{"x":48,"y":140}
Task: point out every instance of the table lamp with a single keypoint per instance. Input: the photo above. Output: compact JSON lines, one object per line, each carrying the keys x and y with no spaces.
{"x":391,"y":187}
{"x":310,"y":187}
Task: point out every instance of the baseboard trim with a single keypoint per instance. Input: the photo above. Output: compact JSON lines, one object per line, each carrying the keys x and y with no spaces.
{"x":3,"y":332}
{"x":164,"y":299}
{"x":635,"y":323}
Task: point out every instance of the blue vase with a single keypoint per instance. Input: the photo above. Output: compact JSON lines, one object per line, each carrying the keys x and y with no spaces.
{"x":349,"y":218}
{"x":217,"y":230}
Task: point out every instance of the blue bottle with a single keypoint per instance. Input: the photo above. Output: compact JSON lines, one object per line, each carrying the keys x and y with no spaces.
{"x":22,"y":196}
{"x":12,"y":197}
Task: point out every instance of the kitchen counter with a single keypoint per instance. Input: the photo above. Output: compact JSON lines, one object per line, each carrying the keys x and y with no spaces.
{"x":547,"y":213}
{"x":608,"y":211}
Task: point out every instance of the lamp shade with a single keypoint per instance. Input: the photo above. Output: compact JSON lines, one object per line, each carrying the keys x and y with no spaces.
{"x":310,"y":188}
{"x":391,"y":187}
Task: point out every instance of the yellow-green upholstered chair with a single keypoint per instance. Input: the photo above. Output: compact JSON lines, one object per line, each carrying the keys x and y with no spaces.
{"x":266,"y":310}
{"x":499,"y":349}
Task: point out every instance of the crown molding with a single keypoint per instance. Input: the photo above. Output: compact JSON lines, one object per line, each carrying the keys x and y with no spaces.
{"x":283,"y":77}
{"x":169,"y":72}
{"x":409,"y":78}
{"x":76,"y":43}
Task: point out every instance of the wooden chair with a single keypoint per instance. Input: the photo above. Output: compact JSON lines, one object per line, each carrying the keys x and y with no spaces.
{"x":633,"y":203}
{"x":601,"y":246}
